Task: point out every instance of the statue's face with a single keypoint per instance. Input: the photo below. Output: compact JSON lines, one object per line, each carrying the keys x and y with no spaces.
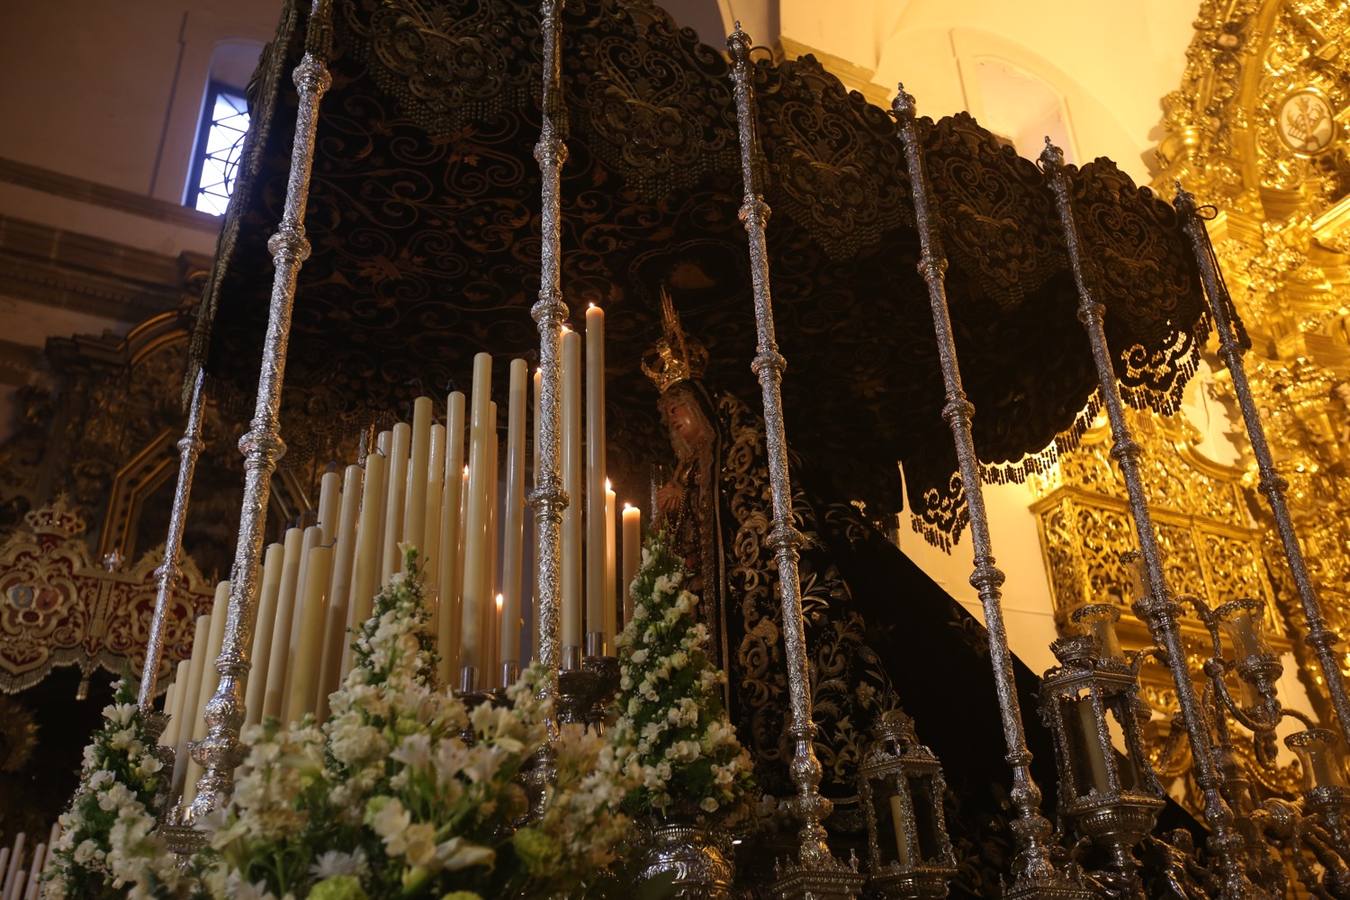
{"x":688,"y":427}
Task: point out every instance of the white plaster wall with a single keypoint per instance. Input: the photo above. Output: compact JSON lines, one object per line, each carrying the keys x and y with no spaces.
{"x":1110,"y":62}
{"x":111,"y":92}
{"x":1027,"y":605}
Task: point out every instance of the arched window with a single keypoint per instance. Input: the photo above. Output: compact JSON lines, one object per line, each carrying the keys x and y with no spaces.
{"x":220,"y":141}
{"x":221,"y":126}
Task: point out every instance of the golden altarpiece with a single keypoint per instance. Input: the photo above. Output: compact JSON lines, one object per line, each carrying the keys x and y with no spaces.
{"x":1254,"y":128}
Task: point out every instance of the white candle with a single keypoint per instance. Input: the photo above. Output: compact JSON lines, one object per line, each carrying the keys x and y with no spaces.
{"x":415,"y":500}
{"x":595,"y":471}
{"x":476,"y":536}
{"x":304,"y":684}
{"x":513,"y":540}
{"x":311,"y":538}
{"x":431,"y":542}
{"x":571,"y":477}
{"x":167,"y":710}
{"x":187,"y":706}
{"x":210,"y":679}
{"x":15,"y":860}
{"x":632,"y":556}
{"x":451,"y":571}
{"x":274,"y":694}
{"x":339,"y":591}
{"x":329,"y":486}
{"x":34,"y":870}
{"x":902,"y":851}
{"x":52,"y":837}
{"x":490,"y":661}
{"x":182,"y":674}
{"x":369,"y":552}
{"x":538,"y":421}
{"x":611,"y":567}
{"x":261,"y":657}
{"x":396,"y":491}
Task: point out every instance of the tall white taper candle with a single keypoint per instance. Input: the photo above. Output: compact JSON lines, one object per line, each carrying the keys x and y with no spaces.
{"x":339,"y":590}
{"x":396,"y":493}
{"x":595,"y":472}
{"x":572,"y":477}
{"x":274,"y":695}
{"x":451,"y":571}
{"x":476,"y":537}
{"x":415,"y":501}
{"x":513,"y":540}
{"x":273,"y":563}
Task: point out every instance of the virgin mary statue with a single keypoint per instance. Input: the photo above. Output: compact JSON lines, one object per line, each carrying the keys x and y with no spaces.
{"x":879,"y":633}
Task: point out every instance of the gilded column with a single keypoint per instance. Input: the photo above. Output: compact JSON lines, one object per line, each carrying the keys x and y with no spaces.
{"x":814,"y":862}
{"x":1273,"y":485}
{"x":1036,"y":874}
{"x":219,"y":752}
{"x":1157,"y":607}
{"x":189,"y":448}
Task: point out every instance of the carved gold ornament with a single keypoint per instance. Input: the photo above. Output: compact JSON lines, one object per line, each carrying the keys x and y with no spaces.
{"x":1306,"y":122}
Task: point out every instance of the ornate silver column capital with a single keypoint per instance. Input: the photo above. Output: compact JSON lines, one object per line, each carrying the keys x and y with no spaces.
{"x":168,"y":572}
{"x":219,"y":752}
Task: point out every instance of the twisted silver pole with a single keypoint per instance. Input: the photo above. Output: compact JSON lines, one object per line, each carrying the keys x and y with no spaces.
{"x":168,"y":573}
{"x":1036,"y":871}
{"x":548,"y":498}
{"x":219,"y":752}
{"x":1158,"y":609}
{"x":1321,"y":638}
{"x":812,"y":808}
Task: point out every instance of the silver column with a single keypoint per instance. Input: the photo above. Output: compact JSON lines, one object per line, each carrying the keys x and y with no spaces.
{"x":219,"y":752}
{"x":1322,"y":639}
{"x":189,"y":448}
{"x":1157,"y":608}
{"x":1036,"y":872}
{"x":813,"y":853}
{"x":548,"y":497}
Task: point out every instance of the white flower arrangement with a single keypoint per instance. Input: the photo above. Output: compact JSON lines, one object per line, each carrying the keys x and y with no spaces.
{"x":673,"y":741}
{"x":388,"y":799}
{"x":107,"y":846}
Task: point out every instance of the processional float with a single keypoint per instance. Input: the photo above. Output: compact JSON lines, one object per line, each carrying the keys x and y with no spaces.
{"x":1109,"y":790}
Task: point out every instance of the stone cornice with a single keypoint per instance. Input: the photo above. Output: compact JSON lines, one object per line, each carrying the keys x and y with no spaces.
{"x":88,"y":274}
{"x":73,"y":188}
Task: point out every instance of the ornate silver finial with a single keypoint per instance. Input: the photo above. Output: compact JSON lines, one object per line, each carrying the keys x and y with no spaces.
{"x":1051,"y":158}
{"x":738,"y":42}
{"x":903,"y":104}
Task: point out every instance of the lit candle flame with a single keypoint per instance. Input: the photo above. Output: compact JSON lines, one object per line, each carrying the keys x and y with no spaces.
{"x":500,"y":601}
{"x":608,"y":486}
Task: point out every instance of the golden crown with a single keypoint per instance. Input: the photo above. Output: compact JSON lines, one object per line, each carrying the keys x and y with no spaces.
{"x":675,"y":357}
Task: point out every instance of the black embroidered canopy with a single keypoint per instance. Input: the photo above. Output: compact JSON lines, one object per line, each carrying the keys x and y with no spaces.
{"x":424,"y":222}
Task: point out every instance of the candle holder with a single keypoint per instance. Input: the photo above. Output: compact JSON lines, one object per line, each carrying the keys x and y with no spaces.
{"x":605,"y":670}
{"x":510,"y":673}
{"x":1111,"y":798}
{"x":901,"y":785}
{"x":577,"y":689}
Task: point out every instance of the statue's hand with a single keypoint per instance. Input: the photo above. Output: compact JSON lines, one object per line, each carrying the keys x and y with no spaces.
{"x":668,"y":498}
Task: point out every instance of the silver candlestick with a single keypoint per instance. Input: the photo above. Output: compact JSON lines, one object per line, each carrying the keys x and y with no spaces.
{"x":816,"y":872}
{"x":1321,"y":638}
{"x":168,"y":573}
{"x":1036,"y":874}
{"x":1157,"y":607}
{"x":219,"y":752}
